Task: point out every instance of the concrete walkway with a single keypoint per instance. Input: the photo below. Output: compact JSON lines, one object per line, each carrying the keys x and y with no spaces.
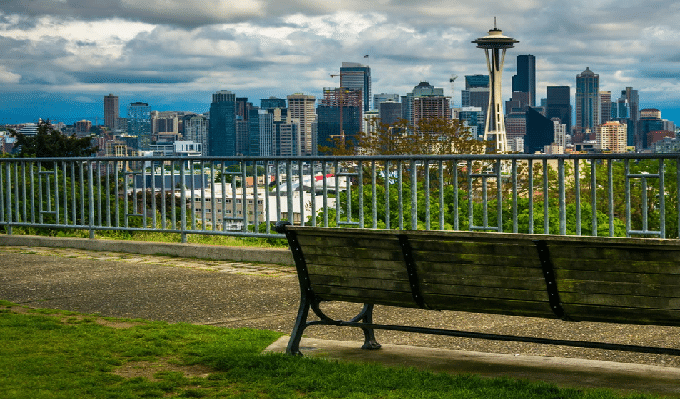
{"x":260,"y":295}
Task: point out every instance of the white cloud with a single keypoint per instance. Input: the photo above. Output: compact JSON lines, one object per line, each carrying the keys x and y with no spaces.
{"x":8,"y":76}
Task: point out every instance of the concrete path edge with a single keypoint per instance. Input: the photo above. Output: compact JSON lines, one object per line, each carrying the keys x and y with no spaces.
{"x":279,"y":256}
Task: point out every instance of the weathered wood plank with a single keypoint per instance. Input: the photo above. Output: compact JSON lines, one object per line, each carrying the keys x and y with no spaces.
{"x":623,"y":277}
{"x":484,"y":292}
{"x":633,"y":301}
{"x":444,"y":247}
{"x":361,"y":283}
{"x":490,"y":305}
{"x":335,"y":261}
{"x":358,"y":272}
{"x":379,"y":242}
{"x":487,"y":264}
{"x":618,"y":288}
{"x":614,"y":253}
{"x":353,"y":253}
{"x":608,"y":265}
{"x":459,"y":277}
{"x":358,"y":295}
{"x":623,"y":315}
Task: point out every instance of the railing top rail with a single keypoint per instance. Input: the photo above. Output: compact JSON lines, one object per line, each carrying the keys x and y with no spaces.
{"x":450,"y":157}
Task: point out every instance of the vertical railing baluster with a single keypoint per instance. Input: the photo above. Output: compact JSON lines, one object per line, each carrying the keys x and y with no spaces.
{"x":662,"y":199}
{"x":515,"y":226}
{"x":626,"y":167}
{"x":562,"y":195}
{"x":426,"y":169}
{"x":400,"y":191}
{"x":470,"y":195}
{"x":610,"y":194}
{"x":593,"y":197}
{"x":289,"y":190}
{"x":90,"y":174}
{"x":441,"y":193}
{"x":360,"y":177}
{"x":414,"y":195}
{"x":531,"y":195}
{"x":183,"y":201}
{"x":387,"y":194}
{"x":546,"y":199}
{"x":374,"y":199}
{"x":499,"y":195}
{"x":577,"y":194}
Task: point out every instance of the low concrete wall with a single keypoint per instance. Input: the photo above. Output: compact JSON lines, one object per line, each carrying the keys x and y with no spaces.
{"x":214,"y":252}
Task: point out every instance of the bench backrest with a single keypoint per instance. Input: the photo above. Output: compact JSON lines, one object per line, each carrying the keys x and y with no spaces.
{"x":621,"y":280}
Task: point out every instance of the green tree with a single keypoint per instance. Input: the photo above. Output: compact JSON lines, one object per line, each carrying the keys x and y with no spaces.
{"x":50,"y":143}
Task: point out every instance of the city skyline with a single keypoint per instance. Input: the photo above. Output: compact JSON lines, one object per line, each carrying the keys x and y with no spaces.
{"x":62,"y":57}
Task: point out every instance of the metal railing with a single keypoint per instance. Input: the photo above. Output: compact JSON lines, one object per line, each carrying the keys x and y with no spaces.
{"x":597,"y":195}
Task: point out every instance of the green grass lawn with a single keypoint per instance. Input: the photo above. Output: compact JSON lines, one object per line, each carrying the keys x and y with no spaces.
{"x":56,"y":354}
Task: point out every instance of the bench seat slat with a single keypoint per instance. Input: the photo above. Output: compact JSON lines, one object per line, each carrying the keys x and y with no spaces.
{"x":354,"y":253}
{"x":606,"y":265}
{"x":325,"y":241}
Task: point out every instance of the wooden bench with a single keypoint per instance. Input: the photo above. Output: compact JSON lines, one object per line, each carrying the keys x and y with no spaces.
{"x":618,"y":280}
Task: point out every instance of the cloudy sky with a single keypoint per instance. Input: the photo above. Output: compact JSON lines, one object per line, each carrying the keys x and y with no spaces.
{"x":58,"y":58}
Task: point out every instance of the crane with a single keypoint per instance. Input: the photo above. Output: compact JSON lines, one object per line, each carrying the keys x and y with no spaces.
{"x":451,"y":80}
{"x":340,"y":104}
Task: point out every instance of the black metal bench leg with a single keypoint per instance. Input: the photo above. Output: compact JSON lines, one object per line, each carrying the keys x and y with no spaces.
{"x":369,"y":336}
{"x":300,"y":325}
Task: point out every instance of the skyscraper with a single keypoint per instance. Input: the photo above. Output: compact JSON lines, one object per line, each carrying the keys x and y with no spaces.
{"x":111,"y":111}
{"x":301,"y":108}
{"x":525,"y":80}
{"x":559,"y":105}
{"x":424,"y":89}
{"x":587,"y":104}
{"x":196,"y":130}
{"x":356,"y":76}
{"x":139,"y":124}
{"x":222,"y":131}
{"x":605,"y":106}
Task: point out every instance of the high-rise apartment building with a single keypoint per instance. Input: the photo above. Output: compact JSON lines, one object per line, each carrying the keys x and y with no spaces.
{"x":558,"y":105}
{"x":424,"y":89}
{"x":605,"y":106}
{"x":587,"y":104}
{"x":111,"y":111}
{"x":222,"y":130}
{"x":301,"y":108}
{"x":139,"y":124}
{"x":429,"y":107}
{"x":356,"y":76}
{"x":525,"y":80}
{"x":196,"y":130}
{"x":611,"y":136}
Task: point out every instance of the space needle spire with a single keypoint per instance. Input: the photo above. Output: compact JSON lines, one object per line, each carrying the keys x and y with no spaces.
{"x":495,"y":44}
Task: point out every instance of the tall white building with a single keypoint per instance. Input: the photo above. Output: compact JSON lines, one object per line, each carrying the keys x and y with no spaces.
{"x":302,"y":108}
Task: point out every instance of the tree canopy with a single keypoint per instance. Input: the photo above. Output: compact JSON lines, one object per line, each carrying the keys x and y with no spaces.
{"x":51,"y":143}
{"x":432,"y":136}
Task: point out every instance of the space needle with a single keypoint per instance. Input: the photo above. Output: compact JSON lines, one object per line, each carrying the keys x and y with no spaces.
{"x":492,"y":44}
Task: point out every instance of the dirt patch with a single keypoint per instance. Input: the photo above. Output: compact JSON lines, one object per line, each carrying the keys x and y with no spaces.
{"x":147,"y":369}
{"x":70,"y":319}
